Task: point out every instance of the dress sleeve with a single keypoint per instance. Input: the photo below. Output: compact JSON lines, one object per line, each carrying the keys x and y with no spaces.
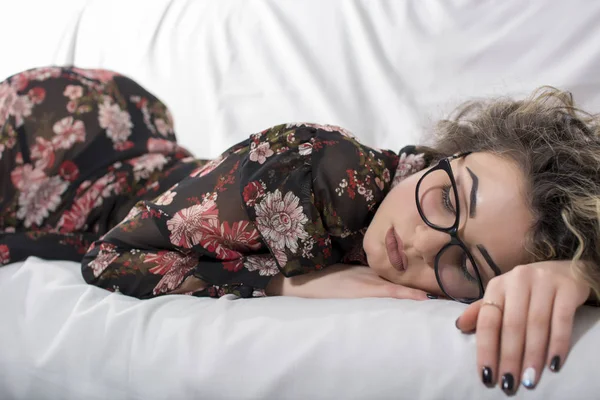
{"x":196,"y":232}
{"x":312,"y":191}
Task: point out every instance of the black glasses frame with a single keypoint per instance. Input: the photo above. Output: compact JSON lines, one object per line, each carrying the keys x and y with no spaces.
{"x":444,"y":164}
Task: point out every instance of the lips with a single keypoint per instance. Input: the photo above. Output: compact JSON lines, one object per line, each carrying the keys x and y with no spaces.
{"x":395,"y":250}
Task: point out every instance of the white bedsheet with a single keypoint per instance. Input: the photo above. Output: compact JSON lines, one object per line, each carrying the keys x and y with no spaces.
{"x":63,"y":339}
{"x":386,"y":70}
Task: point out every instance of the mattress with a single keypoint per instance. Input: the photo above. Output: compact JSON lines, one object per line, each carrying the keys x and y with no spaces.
{"x":387,"y":71}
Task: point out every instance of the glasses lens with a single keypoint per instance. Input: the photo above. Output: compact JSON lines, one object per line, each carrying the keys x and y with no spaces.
{"x":456,"y":272}
{"x":438,"y":199}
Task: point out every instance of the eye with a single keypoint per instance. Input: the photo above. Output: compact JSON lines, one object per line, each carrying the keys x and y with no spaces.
{"x":465,"y":270}
{"x":446,"y":203}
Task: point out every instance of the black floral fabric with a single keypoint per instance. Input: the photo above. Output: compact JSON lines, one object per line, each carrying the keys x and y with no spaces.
{"x":89,"y":158}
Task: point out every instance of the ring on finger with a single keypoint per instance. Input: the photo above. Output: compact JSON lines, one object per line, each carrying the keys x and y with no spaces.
{"x":493,"y":304}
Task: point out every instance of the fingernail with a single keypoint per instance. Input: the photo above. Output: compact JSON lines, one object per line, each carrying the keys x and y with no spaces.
{"x":507,"y":383}
{"x":529,"y":378}
{"x":456,"y":323}
{"x":431,"y":296}
{"x":555,"y":364}
{"x":486,"y":376}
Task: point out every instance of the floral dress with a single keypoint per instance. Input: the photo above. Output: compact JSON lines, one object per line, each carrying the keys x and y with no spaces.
{"x":291,"y":199}
{"x":89,"y":162}
{"x":78,"y":148}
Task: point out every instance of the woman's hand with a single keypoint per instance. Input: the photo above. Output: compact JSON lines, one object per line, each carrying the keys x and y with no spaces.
{"x":524,"y":322}
{"x":341,"y":281}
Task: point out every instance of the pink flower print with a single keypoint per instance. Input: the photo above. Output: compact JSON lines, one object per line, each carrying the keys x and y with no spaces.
{"x":160,"y":146}
{"x":73,"y":92}
{"x":187,"y":225}
{"x":208,"y":167}
{"x":116,"y":121}
{"x":41,"y":74}
{"x":264,"y":263}
{"x":305,"y":149}
{"x":21,"y":108}
{"x":42,"y":152}
{"x":105,"y":257}
{"x":26,"y":176}
{"x":162,"y":127}
{"x":68,"y":131}
{"x":281,"y":221}
{"x":261,"y":152}
{"x":37,"y":201}
{"x":408,"y":165}
{"x":166,"y":198}
{"x":173,"y":266}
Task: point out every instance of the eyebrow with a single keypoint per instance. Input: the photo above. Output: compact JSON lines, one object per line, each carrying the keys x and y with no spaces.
{"x":472,"y":208}
{"x":474,"y":187}
{"x":489,"y":260}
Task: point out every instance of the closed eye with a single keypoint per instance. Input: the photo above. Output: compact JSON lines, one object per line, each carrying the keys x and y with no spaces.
{"x":446,"y":203}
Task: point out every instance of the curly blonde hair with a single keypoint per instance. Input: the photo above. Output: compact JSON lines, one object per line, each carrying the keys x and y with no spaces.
{"x":557,"y":146}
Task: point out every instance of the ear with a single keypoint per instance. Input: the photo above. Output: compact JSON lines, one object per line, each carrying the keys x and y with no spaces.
{"x":467,"y":321}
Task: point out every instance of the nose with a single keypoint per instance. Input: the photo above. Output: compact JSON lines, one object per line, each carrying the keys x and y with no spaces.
{"x":428,"y":242}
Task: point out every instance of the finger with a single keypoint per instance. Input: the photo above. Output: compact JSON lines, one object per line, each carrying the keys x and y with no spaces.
{"x":467,"y":321}
{"x":561,"y":329}
{"x":489,"y":323}
{"x":537,"y":337}
{"x":512,"y":342}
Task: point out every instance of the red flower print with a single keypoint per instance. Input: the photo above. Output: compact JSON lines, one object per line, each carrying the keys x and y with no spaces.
{"x":37,"y":95}
{"x":68,"y":170}
{"x":20,"y":81}
{"x":252,"y":192}
{"x":233,"y":266}
{"x":227,"y":242}
{"x":75,"y":218}
{"x":4,"y":254}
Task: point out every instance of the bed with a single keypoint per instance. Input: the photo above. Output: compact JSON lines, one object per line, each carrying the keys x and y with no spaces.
{"x":385,"y":70}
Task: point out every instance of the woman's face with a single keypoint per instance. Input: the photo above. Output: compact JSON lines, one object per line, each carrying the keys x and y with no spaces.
{"x":494,"y":220}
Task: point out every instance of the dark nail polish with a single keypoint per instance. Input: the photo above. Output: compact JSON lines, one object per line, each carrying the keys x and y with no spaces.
{"x":508,"y":382}
{"x":555,"y":364}
{"x":486,"y":376}
{"x":431,"y":296}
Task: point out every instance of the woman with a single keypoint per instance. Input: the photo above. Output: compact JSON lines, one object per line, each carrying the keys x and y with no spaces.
{"x":501,"y":212}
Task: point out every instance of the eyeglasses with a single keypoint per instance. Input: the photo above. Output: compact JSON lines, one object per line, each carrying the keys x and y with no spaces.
{"x":438,"y":205}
